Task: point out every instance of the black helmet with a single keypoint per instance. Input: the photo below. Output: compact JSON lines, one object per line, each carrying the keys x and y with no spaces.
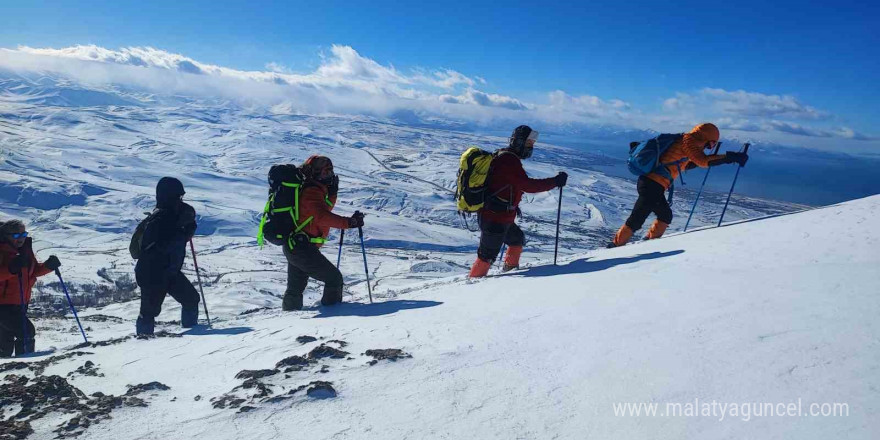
{"x":519,"y":141}
{"x":168,"y":192}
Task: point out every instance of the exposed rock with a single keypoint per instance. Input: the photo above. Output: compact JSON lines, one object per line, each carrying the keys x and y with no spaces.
{"x":391,"y":354}
{"x":256,"y":374}
{"x":134,"y":390}
{"x":306,"y":339}
{"x":325,"y":351}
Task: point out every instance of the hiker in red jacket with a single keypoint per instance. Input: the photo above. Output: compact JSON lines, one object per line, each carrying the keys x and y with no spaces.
{"x":304,"y":258}
{"x":507,"y":183}
{"x":19,"y":270}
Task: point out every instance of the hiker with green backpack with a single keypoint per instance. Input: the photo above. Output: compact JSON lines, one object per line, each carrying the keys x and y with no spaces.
{"x":298,"y":217}
{"x":492,"y":185}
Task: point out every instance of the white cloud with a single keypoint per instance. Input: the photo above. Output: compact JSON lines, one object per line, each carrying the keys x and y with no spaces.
{"x":476,"y":97}
{"x":347,"y":82}
{"x":744,"y":104}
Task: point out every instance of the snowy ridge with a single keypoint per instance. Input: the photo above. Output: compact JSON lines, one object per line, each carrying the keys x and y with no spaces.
{"x":773,"y":310}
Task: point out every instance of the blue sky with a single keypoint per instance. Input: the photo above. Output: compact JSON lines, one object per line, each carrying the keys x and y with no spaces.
{"x":821,"y":59}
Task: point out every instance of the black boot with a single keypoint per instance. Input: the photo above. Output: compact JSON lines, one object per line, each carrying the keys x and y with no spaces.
{"x":292,"y":302}
{"x":145,"y":326}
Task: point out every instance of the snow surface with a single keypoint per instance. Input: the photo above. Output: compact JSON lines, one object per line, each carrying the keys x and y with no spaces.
{"x":774,"y":310}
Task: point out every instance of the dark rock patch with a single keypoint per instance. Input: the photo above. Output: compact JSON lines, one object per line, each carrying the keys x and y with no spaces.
{"x":256,"y":374}
{"x":325,"y":351}
{"x":134,"y":390}
{"x":42,"y":396}
{"x":250,"y":311}
{"x":391,"y":354}
{"x":227,"y":401}
{"x":321,"y":390}
{"x":296,"y":363}
{"x":305,"y":339}
{"x":341,"y":344}
{"x":87,"y":369}
{"x":102,"y":318}
{"x":10,"y":366}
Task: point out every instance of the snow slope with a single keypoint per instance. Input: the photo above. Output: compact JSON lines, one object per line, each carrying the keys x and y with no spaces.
{"x":775,"y":310}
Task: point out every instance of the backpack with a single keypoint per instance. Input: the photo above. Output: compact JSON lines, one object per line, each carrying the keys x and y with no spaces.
{"x":136,"y":246}
{"x":644,"y":157}
{"x":281,"y":215}
{"x":473,"y":176}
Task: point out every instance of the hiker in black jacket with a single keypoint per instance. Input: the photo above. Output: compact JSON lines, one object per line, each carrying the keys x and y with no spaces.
{"x":163,"y":249}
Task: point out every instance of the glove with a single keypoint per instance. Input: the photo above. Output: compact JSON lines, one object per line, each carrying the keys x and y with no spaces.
{"x":734,"y":157}
{"x":18,"y":262}
{"x":356,"y":220}
{"x":52,"y":263}
{"x":561,"y":179}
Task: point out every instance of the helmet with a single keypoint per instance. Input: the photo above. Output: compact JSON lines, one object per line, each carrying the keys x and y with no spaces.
{"x":522,"y":141}
{"x":168,"y":192}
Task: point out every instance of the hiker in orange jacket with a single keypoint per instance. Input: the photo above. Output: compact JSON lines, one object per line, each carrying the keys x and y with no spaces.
{"x":304,"y":258}
{"x":19,"y":270}
{"x":651,"y":187}
{"x":507,"y":183}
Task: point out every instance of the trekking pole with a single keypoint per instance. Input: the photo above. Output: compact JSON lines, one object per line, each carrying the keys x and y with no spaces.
{"x":23,"y":314}
{"x":366,"y":270}
{"x":735,"y":176}
{"x":705,"y":178}
{"x":339,"y":257}
{"x":72,"y":308}
{"x":199,"y":277}
{"x":558,"y":215}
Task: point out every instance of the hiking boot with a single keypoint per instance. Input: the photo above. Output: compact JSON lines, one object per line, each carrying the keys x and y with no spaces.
{"x":292,"y":302}
{"x":511,"y":258}
{"x":623,"y":235}
{"x":144,"y":326}
{"x":189,"y":317}
{"x":657,"y":230}
{"x":479,"y":269}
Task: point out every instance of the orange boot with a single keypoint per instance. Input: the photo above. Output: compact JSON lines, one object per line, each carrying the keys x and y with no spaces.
{"x":657,"y":230}
{"x":511,"y":258}
{"x":479,"y":269}
{"x":623,"y":235}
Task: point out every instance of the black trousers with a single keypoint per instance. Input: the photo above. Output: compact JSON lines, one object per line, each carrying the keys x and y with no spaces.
{"x":11,"y":339}
{"x":153,"y":294}
{"x":493,"y":235}
{"x":306,"y":261}
{"x":652,"y":199}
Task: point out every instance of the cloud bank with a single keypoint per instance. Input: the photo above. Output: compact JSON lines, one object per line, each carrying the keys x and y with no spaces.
{"x":349,"y":83}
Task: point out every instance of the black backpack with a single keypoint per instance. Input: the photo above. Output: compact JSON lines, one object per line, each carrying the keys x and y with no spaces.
{"x":137,"y":247}
{"x":281,"y":215}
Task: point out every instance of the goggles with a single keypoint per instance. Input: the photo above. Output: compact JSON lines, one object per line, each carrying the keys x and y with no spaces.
{"x":19,"y":235}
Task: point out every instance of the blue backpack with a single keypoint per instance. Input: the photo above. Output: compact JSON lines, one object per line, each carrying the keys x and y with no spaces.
{"x":644,"y":157}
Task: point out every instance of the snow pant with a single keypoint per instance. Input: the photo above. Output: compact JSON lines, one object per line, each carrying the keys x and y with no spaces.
{"x":306,"y":261}
{"x":652,"y":199}
{"x":11,"y":339}
{"x":177,"y":285}
{"x":494,"y":235}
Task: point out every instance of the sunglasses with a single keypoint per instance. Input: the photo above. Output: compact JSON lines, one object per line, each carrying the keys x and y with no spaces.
{"x":18,"y":235}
